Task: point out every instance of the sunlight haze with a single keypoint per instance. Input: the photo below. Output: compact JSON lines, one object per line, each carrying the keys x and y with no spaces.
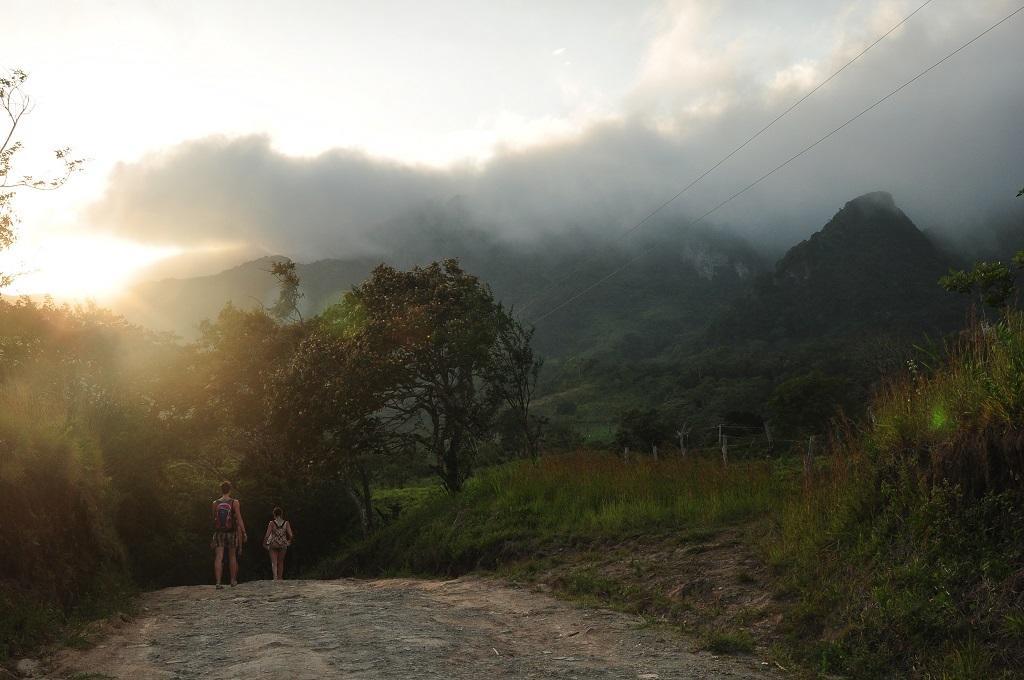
{"x":563,"y":339}
{"x":458,"y":92}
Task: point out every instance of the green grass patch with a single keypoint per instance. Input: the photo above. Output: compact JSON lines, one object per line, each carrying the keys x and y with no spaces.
{"x":509,"y":511}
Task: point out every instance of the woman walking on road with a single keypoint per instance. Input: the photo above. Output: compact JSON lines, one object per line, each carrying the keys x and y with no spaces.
{"x":228,"y":534}
{"x":277,"y":539}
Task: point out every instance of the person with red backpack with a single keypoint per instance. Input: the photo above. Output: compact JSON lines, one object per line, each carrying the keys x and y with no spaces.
{"x":228,"y":534}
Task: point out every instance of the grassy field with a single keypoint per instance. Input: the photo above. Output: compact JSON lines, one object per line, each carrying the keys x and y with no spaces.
{"x":511,"y":510}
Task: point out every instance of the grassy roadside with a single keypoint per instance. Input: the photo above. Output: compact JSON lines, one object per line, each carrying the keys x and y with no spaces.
{"x":30,"y":622}
{"x":708,"y":583}
{"x":907,"y":556}
{"x":63,"y":563}
{"x":514,"y":511}
{"x":670,"y":541}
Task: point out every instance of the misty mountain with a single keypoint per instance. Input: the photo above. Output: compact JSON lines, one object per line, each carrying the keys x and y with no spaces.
{"x":869,"y":268}
{"x":850,"y":302}
{"x":178,"y":305}
{"x":679,"y":281}
{"x":693,"y":320}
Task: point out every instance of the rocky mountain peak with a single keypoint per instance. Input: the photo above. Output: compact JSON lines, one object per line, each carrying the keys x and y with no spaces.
{"x":867,"y":233}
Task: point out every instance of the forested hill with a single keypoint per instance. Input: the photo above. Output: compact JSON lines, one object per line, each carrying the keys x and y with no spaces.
{"x":870,"y":268}
{"x":687,"y":276}
{"x":699,"y":324}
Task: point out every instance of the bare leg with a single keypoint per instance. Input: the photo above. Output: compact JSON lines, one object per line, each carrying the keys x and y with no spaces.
{"x":273,"y":563}
{"x":280,"y":564}
{"x":233,"y":564}
{"x":218,"y":563}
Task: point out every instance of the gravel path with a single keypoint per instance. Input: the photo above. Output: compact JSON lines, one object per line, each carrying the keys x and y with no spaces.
{"x":404,"y":629}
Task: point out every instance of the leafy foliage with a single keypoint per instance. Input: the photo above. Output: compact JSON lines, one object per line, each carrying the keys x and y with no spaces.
{"x":995,"y":282}
{"x":322,"y":421}
{"x":286,"y":308}
{"x":642,"y":429}
{"x":439,"y":357}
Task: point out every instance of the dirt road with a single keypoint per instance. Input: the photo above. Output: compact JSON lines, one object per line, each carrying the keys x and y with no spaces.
{"x":404,"y":629}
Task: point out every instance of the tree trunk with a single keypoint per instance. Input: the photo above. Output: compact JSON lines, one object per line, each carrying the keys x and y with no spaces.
{"x":364,"y":478}
{"x":451,"y":474}
{"x":364,"y":520}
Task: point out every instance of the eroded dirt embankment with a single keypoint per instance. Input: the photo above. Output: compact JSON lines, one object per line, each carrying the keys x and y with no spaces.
{"x":464,"y":629}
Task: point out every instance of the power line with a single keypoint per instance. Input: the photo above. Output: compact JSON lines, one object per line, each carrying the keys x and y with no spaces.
{"x":732,"y":153}
{"x":792,"y":158}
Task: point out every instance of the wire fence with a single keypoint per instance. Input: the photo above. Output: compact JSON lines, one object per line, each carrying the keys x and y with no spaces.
{"x":741,"y":441}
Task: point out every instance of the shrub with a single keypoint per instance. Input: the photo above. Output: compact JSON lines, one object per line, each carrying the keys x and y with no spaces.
{"x":61,"y":555}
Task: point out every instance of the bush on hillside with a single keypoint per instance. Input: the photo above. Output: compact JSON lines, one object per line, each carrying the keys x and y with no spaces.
{"x":908,"y":556}
{"x":61,"y":554}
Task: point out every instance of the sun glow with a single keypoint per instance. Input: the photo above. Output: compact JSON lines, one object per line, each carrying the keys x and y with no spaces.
{"x":75,"y":267}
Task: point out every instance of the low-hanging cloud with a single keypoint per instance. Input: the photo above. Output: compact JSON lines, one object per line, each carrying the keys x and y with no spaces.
{"x":949,"y":147}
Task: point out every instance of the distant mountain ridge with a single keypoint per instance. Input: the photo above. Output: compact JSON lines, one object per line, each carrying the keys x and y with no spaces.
{"x":700,"y":322}
{"x":868,"y":267}
{"x":682,"y":282}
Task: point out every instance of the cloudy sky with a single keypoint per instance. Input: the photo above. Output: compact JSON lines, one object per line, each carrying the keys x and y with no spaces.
{"x":219,"y":130}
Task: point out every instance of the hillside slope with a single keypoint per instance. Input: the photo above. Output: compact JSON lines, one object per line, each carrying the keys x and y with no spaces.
{"x":686,"y":277}
{"x":869,"y":268}
{"x":840,"y":309}
{"x":697,"y":325}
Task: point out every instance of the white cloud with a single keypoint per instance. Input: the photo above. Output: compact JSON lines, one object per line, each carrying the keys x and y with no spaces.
{"x":794,"y":80}
{"x":948,"y":147}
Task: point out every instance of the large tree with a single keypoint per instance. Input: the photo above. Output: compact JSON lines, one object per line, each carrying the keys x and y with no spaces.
{"x":445,"y":358}
{"x":324,"y":430}
{"x":515,"y":369}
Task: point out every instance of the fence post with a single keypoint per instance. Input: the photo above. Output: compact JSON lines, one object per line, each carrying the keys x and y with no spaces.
{"x":768,"y":436}
{"x":654,"y":450}
{"x":725,"y":449}
{"x":625,"y":455}
{"x":809,"y":458}
{"x":682,"y":433}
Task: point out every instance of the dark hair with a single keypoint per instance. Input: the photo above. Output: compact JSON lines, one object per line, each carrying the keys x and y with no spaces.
{"x":225,"y":486}
{"x":278,"y":512}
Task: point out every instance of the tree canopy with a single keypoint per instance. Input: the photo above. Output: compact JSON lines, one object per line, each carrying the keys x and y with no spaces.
{"x":441,"y":357}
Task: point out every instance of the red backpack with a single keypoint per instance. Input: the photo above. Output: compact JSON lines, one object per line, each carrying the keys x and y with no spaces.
{"x":224,"y":515}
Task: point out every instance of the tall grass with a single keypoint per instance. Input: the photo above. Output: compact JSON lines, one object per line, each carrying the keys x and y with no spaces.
{"x":509,"y":511}
{"x":907,"y":555}
{"x":966,"y":416}
{"x":599,"y":494}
